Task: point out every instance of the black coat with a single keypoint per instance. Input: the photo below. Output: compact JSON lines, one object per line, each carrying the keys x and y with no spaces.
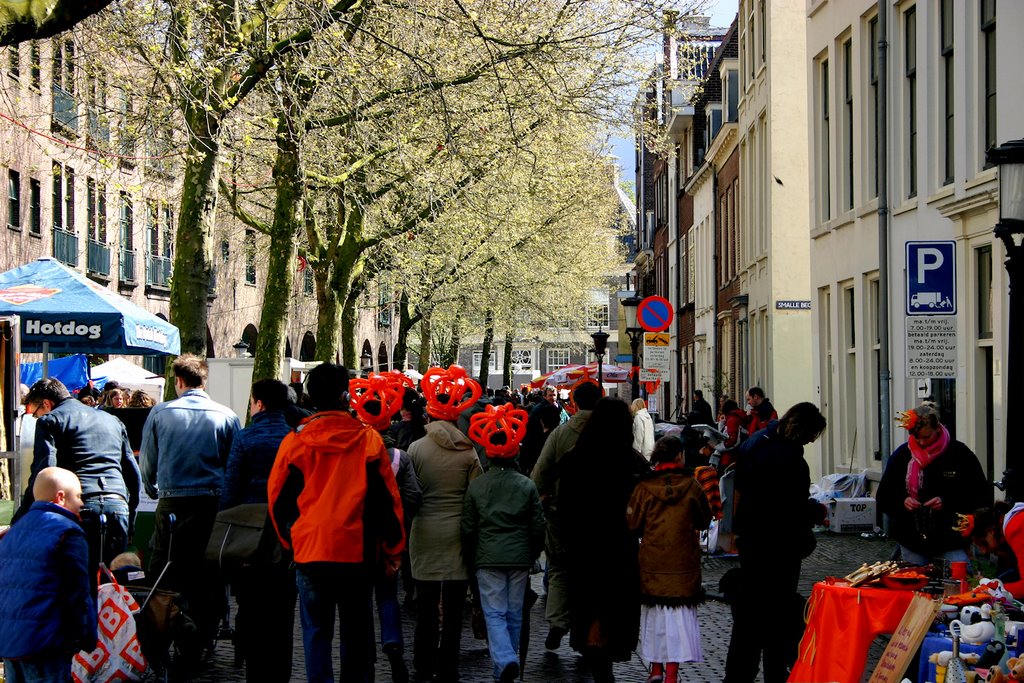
{"x":604,"y":583}
{"x":775,"y":514}
{"x":955,"y":476}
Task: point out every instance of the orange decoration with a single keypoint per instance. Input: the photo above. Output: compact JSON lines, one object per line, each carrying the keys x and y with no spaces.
{"x":454,"y":384}
{"x":506,"y":421}
{"x":383,"y":389}
{"x":907,"y":419}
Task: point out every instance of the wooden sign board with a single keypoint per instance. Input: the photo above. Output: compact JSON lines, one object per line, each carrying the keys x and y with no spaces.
{"x":908,"y":637}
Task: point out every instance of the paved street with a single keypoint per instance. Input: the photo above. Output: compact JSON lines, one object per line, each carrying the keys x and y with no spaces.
{"x":836,"y":555}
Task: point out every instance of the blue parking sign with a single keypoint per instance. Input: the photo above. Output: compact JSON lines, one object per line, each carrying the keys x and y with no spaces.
{"x":931,"y":278}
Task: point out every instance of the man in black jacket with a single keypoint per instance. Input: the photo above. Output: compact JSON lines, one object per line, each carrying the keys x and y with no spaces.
{"x":94,"y":445}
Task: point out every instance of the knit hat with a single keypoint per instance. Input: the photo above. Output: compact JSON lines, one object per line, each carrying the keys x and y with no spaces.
{"x":446,"y":392}
{"x":499,"y":430}
{"x":376,"y":398}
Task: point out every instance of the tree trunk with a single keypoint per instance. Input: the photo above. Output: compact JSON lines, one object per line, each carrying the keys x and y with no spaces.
{"x":277,"y":294}
{"x":423,"y":361}
{"x":450,"y":355}
{"x":328,"y":317}
{"x":406,"y":319}
{"x":506,"y":374}
{"x":485,"y":355}
{"x":349,"y":320}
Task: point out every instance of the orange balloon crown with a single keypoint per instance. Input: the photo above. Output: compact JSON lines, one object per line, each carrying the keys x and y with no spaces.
{"x":499,"y":430}
{"x":380,"y":392}
{"x":449,"y":392}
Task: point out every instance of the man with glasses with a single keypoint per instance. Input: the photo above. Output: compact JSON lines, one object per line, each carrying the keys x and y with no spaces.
{"x":94,"y":445}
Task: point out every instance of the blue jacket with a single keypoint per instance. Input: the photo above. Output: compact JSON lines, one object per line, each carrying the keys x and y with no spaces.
{"x":46,"y":605}
{"x":253,"y":451}
{"x":185,"y":444}
{"x":92,"y":444}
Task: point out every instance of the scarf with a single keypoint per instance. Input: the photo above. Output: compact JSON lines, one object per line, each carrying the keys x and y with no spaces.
{"x":921,"y":457}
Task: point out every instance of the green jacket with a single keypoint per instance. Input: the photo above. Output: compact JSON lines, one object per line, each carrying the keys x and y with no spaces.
{"x":502,"y":520}
{"x":545,"y":472}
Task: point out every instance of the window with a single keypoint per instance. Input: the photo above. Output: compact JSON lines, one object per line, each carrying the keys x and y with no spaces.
{"x":64,"y":65}
{"x":557,"y":358}
{"x":848,"y":124}
{"x":13,"y":199}
{"x":522,"y":360}
{"x":35,"y":206}
{"x":96,"y":210}
{"x":910,"y":71}
{"x":478,"y":356}
{"x":152,"y":229}
{"x":307,"y":281}
{"x":946,"y":52}
{"x":988,"y":30}
{"x":14,"y":61}
{"x":127,"y":221}
{"x":873,"y":100}
{"x":35,"y":62}
{"x":825,"y":162}
{"x":63,"y":197}
{"x":983,"y":258}
{"x":597,"y":315}
{"x":250,"y":257}
{"x":167,"y":219}
{"x":732,"y":95}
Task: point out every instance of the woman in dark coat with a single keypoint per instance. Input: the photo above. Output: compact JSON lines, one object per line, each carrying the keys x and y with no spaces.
{"x":927,"y":481}
{"x":597,"y":478}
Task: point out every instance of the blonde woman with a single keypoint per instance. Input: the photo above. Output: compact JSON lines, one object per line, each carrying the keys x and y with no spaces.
{"x":643,"y":428}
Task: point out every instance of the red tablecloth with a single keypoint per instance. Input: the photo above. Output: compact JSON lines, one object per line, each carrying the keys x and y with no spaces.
{"x":842,"y":622}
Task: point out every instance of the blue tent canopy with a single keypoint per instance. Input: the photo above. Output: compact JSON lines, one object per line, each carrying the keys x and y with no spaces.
{"x":73,"y":371}
{"x":72,"y":314}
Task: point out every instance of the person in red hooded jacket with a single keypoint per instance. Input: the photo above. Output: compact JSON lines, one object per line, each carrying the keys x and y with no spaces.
{"x":334,"y":501}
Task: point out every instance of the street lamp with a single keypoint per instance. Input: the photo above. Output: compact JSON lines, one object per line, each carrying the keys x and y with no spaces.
{"x":630,"y":307}
{"x":600,"y":347}
{"x":365,"y":362}
{"x":241,"y":348}
{"x":1009,"y":157}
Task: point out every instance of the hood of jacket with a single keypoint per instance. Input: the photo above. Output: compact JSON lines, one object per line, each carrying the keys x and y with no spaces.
{"x":446,"y":435}
{"x":579,"y":420}
{"x":670,"y":485}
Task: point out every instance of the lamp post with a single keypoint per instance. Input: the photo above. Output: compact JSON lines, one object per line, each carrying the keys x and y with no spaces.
{"x":1009,"y":157}
{"x":600,"y":347}
{"x":630,"y":308}
{"x":241,"y":348}
{"x":365,"y":362}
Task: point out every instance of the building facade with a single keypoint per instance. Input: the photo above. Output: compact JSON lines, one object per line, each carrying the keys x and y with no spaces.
{"x":88,"y":190}
{"x":950,"y":96}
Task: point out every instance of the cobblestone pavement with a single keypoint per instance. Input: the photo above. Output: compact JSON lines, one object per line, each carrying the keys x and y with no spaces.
{"x":836,"y":555}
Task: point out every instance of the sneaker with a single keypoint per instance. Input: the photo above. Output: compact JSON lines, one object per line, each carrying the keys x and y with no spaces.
{"x":554,"y":639}
{"x":509,"y":673}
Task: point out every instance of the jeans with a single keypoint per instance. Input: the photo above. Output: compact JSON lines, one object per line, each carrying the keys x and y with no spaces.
{"x":502,"y":592}
{"x":385,"y":589}
{"x":909,"y":555}
{"x":54,"y":669}
{"x":114,"y":537}
{"x":327,"y":588}
{"x":433,"y":597}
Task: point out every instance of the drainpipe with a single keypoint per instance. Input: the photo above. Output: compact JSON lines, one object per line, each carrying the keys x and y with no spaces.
{"x":679,"y":306}
{"x":884,"y":399}
{"x":717,"y":354}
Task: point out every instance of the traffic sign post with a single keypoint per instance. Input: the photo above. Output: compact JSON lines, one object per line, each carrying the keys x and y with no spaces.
{"x":931,"y":278}
{"x":655,"y":314}
{"x":656,"y":352}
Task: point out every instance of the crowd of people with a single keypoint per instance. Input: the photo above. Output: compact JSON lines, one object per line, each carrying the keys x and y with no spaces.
{"x":451,"y":492}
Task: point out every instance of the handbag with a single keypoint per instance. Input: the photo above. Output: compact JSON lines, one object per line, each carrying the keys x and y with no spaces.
{"x":118,"y":654}
{"x":243,"y":535}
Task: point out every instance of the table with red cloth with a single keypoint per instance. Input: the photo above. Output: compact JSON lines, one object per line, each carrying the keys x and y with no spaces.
{"x":842,"y":622}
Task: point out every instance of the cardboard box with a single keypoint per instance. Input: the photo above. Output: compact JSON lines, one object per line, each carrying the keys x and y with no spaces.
{"x":852,"y":515}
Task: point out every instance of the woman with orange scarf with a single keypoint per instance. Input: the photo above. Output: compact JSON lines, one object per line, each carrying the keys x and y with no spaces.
{"x":929,"y":479}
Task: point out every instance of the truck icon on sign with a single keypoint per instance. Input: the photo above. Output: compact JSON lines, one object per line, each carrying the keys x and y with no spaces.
{"x":930,"y":299}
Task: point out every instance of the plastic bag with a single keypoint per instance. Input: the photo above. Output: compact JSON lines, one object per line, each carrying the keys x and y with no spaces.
{"x":118,"y":654}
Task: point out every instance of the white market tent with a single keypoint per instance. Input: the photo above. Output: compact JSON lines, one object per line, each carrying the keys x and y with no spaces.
{"x":130,"y":376}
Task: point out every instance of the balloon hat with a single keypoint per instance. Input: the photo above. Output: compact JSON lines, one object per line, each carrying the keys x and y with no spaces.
{"x":499,"y":430}
{"x":382,"y":393}
{"x":446,"y":392}
{"x":907,"y":419}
